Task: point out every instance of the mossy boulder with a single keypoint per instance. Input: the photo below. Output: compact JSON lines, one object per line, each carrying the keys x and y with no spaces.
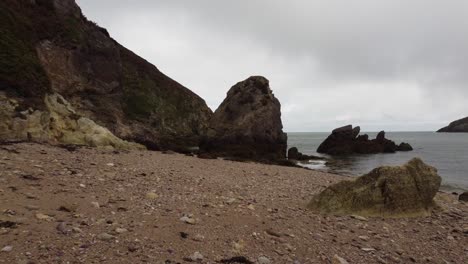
{"x":400,"y":191}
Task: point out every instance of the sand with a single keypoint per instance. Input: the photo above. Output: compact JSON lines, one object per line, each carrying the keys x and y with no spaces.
{"x":102,"y":206}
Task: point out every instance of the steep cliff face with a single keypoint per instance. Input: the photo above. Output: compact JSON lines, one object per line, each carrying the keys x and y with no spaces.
{"x":459,"y":126}
{"x":48,"y":46}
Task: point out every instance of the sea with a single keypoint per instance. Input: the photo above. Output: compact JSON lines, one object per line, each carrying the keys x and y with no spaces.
{"x":448,"y":152}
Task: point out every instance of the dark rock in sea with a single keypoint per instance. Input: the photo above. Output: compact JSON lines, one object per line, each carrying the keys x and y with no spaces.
{"x":463,"y":197}
{"x":247,"y":124}
{"x":404,"y":147}
{"x":460,"y":126}
{"x":346,"y":140}
{"x":49,"y":47}
{"x":294,"y":154}
{"x":398,"y":191}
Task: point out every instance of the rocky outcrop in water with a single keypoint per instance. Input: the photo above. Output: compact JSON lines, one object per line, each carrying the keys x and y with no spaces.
{"x":459,"y":126}
{"x":294,"y":154}
{"x":49,"y":47}
{"x":346,"y":140}
{"x":399,"y":191}
{"x":247,"y":124}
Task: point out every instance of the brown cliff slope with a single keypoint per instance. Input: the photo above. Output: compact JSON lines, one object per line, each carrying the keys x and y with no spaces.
{"x":49,"y":46}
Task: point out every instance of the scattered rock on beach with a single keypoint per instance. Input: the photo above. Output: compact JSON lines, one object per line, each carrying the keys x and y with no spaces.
{"x":463,"y":197}
{"x":406,"y":190}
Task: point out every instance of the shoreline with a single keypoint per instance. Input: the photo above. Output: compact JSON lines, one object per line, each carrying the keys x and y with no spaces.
{"x":92,"y":206}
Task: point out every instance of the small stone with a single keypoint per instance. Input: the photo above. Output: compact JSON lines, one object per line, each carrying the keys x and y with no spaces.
{"x":68,"y":208}
{"x":368,"y":249}
{"x":95,"y":204}
{"x":230,"y":201}
{"x":365,"y":238}
{"x":120,"y":230}
{"x":263,"y":260}
{"x":105,"y":237}
{"x":251,"y":207}
{"x":198,"y":238}
{"x":82,"y":185}
{"x":110,"y":164}
{"x":339,"y":260}
{"x":358,"y":217}
{"x":196,"y":256}
{"x":7,"y":249}
{"x":44,"y":217}
{"x":62,"y":228}
{"x":152,"y":196}
{"x":76,"y":230}
{"x":187,"y":220}
{"x":32,"y":207}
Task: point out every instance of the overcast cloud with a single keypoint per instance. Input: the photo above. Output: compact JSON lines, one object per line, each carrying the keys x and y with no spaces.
{"x":395,"y":65}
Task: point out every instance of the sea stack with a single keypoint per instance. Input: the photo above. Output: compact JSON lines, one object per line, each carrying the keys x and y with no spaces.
{"x":346,"y":140}
{"x":459,"y":126}
{"x":247,"y":124}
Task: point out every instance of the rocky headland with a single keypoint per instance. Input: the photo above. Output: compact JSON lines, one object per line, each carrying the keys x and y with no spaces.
{"x":459,"y":126}
{"x":346,"y":140}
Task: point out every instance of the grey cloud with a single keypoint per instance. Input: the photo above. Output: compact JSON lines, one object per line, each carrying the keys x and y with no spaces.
{"x":395,"y":65}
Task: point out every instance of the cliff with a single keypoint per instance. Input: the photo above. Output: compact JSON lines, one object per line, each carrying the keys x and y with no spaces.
{"x":49,"y":47}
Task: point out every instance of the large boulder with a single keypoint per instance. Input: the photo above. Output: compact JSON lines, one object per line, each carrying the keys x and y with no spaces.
{"x":247,"y":124}
{"x":346,"y":140}
{"x":399,"y":191}
{"x":460,"y":126}
{"x":49,"y":47}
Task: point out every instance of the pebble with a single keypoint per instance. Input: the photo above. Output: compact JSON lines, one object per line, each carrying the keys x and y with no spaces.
{"x":95,"y":204}
{"x":7,"y":249}
{"x":120,"y":230}
{"x":105,"y":237}
{"x":196,"y":256}
{"x":41,"y":216}
{"x":365,"y":238}
{"x":110,"y":164}
{"x":339,"y":260}
{"x":263,"y":260}
{"x":358,"y":217}
{"x":187,"y":220}
{"x":368,"y":249}
{"x":198,"y":238}
{"x":62,"y":228}
{"x":152,"y":196}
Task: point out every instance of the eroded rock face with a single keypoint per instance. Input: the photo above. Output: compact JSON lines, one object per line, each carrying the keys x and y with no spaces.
{"x":399,"y":191}
{"x":346,"y":140}
{"x":247,"y":124}
{"x":48,"y":47}
{"x":58,"y":124}
{"x":459,"y":126}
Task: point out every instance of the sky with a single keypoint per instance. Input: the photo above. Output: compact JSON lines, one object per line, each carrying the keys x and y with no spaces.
{"x":393,"y":65}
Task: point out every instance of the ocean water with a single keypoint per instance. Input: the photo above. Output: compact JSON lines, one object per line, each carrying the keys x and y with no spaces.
{"x":448,"y":152}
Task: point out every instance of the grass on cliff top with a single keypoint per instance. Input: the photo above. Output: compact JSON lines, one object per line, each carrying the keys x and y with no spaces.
{"x":19,"y":65}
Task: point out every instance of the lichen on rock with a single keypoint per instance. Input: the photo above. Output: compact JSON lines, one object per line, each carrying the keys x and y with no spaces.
{"x":58,"y":124}
{"x":400,"y":191}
